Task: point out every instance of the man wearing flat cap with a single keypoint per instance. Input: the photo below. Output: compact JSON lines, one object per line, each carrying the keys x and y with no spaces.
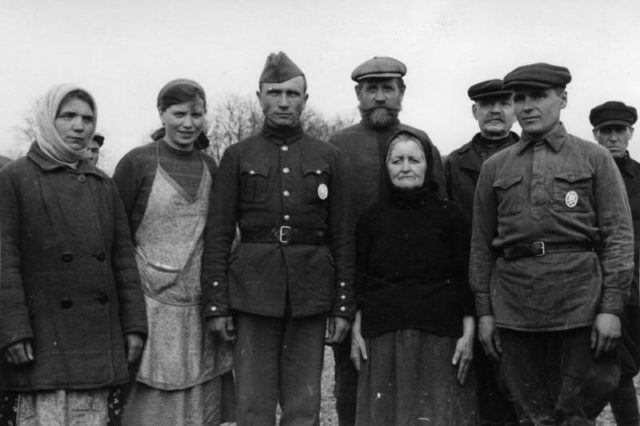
{"x":493,"y":110}
{"x":551,"y":259}
{"x":613,"y":128}
{"x":380,"y":90}
{"x":290,"y":278}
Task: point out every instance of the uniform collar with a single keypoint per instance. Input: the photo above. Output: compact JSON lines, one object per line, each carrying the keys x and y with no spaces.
{"x":554,"y":138}
{"x":282,"y":135}
{"x":47,"y":164}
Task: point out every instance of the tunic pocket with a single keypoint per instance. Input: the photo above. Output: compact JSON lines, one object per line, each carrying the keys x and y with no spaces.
{"x":317,"y":179}
{"x":572,"y":192}
{"x":254,"y":183}
{"x":509,"y":195}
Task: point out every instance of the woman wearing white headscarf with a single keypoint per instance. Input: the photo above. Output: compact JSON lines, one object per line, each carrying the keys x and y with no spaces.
{"x":72,"y":314}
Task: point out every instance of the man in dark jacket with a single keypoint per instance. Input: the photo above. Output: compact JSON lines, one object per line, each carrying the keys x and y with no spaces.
{"x":380,"y":90}
{"x":551,"y":259}
{"x":291,"y":275}
{"x":612,"y":128}
{"x":493,"y":110}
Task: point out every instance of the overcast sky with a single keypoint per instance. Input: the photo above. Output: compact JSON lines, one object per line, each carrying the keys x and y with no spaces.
{"x":123,"y":51}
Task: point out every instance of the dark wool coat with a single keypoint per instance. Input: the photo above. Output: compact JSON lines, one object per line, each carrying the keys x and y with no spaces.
{"x":69,"y":279}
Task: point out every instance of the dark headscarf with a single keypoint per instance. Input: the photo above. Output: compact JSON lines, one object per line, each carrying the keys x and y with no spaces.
{"x":434,"y":183}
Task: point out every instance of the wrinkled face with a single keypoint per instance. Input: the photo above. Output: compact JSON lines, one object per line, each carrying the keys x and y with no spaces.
{"x":380,"y":100}
{"x":93,"y":152}
{"x":75,"y":123}
{"x":283,"y":103}
{"x":183,"y":123}
{"x":495,"y":116}
{"x":615,"y":138}
{"x":538,"y":110}
{"x":406,"y":164}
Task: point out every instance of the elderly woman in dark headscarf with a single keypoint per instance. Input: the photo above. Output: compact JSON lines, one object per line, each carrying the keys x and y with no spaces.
{"x":71,"y":307}
{"x":413,"y":333}
{"x":166,"y":187}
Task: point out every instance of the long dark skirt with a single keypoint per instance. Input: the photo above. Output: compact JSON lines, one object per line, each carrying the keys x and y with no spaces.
{"x":409,"y":381}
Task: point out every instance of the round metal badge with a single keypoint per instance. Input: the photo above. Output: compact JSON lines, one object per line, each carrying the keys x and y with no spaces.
{"x":571,"y":199}
{"x":323,"y":191}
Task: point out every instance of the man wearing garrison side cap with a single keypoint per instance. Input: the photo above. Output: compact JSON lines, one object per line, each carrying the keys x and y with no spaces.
{"x":551,"y":259}
{"x":380,"y":90}
{"x":493,"y":110}
{"x":290,"y":278}
{"x":613,"y":128}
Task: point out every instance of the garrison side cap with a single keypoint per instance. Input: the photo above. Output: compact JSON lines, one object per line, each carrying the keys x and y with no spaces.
{"x":613,"y":113}
{"x":279,"y":68}
{"x":539,"y":75}
{"x":486,"y":89}
{"x":379,"y":67}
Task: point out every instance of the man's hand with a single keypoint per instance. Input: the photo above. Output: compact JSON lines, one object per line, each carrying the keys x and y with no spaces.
{"x":358,"y":345}
{"x":337,"y":330}
{"x":605,"y":332}
{"x":134,"y":344}
{"x":223,"y":327}
{"x":19,"y":353}
{"x":488,"y":337}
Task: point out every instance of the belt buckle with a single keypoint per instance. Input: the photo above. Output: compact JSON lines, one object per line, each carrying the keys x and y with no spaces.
{"x":539,"y":246}
{"x":284,"y":234}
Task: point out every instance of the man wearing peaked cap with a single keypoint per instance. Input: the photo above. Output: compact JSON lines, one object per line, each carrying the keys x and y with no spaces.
{"x":493,"y":110}
{"x":551,"y":259}
{"x":379,"y":90}
{"x":613,"y":128}
{"x":289,"y":282}
{"x":93,"y":148}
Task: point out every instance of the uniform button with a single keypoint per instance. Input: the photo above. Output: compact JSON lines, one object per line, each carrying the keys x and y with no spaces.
{"x":318,"y":172}
{"x":285,"y":170}
{"x":82,"y":178}
{"x":67,"y":257}
{"x":214,"y":308}
{"x":286,"y":193}
{"x":103,"y":299}
{"x":343,"y":297}
{"x":287,"y":217}
{"x":252,"y":172}
{"x":215,"y":284}
{"x":342,"y":308}
{"x":66,"y":304}
{"x":342,"y":284}
{"x":101,"y":256}
{"x":285,"y":148}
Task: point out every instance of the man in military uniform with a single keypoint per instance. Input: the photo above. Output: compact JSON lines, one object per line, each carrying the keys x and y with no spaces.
{"x":551,"y":259}
{"x":493,"y":110}
{"x":612,"y":128}
{"x":290,"y":278}
{"x":380,"y":90}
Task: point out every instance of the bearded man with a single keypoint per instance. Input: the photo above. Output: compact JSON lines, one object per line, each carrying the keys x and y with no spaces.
{"x":380,"y":90}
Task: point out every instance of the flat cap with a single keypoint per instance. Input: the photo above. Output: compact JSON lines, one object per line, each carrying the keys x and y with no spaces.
{"x":98,"y":138}
{"x":379,"y":67}
{"x":613,"y":113}
{"x":486,"y":89}
{"x":538,"y":75}
{"x":279,"y":68}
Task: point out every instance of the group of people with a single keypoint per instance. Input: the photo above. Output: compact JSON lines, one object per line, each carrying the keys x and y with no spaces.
{"x":496,"y":287}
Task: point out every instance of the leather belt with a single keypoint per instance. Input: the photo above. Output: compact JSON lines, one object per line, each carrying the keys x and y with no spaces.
{"x":283,"y":235}
{"x":540,"y":248}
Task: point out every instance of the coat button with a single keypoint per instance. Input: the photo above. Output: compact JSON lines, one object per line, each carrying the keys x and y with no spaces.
{"x":285,"y":170}
{"x":213,"y":309}
{"x":215,"y":284}
{"x":101,"y":256}
{"x":286,"y":193}
{"x":342,"y":308}
{"x":103,"y":299}
{"x":82,"y":178}
{"x":67,"y":257}
{"x":66,"y":304}
{"x":343,"y":297}
{"x":285,"y":148}
{"x":342,"y":284}
{"x":286,"y":217}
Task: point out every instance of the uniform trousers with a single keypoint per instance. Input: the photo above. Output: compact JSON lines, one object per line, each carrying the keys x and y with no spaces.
{"x":553,"y":377}
{"x":346,"y":383}
{"x":278,"y":360}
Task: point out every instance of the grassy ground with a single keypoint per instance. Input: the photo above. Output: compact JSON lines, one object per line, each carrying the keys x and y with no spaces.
{"x":328,"y":413}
